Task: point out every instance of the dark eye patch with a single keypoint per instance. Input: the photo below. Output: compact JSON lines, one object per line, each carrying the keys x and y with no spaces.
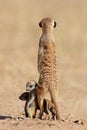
{"x":30,"y":86}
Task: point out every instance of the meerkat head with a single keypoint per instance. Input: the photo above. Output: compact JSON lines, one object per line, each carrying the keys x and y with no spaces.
{"x":47,"y":24}
{"x":31,"y":85}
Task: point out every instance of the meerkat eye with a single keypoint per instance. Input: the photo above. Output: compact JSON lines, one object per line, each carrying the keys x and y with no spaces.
{"x":55,"y":24}
{"x":40,"y":24}
{"x":30,"y":86}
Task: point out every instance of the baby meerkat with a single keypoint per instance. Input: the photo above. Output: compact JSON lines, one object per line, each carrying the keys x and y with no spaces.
{"x":47,"y":65}
{"x":30,"y":98}
{"x":31,"y":104}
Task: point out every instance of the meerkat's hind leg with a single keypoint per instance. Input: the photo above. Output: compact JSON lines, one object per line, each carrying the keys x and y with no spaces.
{"x":40,"y":103}
{"x":49,"y":107}
{"x":30,"y":110}
{"x":45,"y":105}
{"x":54,"y":97}
{"x":26,"y":109}
{"x":53,"y":111}
{"x":57,"y":110}
{"x":40,"y":99}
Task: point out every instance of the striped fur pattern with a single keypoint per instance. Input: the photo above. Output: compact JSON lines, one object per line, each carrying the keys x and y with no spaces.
{"x":47,"y":64}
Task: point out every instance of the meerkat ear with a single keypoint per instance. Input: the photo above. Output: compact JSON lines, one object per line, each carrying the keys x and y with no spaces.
{"x":55,"y":24}
{"x":36,"y":85}
{"x":40,"y":24}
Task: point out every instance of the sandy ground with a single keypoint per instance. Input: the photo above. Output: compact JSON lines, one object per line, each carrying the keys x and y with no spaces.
{"x":19,"y":35}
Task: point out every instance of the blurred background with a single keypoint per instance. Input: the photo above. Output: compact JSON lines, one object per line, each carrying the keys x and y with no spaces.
{"x":19,"y":38}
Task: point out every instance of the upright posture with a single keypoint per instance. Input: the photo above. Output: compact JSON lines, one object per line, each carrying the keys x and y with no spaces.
{"x":47,"y":65}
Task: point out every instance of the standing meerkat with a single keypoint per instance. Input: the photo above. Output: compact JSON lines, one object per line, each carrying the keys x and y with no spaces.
{"x":47,"y":65}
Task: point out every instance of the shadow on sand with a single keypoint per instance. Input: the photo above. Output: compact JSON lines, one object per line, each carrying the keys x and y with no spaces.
{"x":5,"y":117}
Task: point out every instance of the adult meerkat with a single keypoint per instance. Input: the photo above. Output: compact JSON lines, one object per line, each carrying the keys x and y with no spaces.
{"x":31,"y":104}
{"x":47,"y":65}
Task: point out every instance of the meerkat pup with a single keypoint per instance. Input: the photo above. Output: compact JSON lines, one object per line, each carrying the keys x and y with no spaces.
{"x":30,"y":98}
{"x":31,"y":104}
{"x":47,"y":65}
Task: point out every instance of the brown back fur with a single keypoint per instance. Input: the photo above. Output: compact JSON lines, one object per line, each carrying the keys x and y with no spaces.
{"x":47,"y":64}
